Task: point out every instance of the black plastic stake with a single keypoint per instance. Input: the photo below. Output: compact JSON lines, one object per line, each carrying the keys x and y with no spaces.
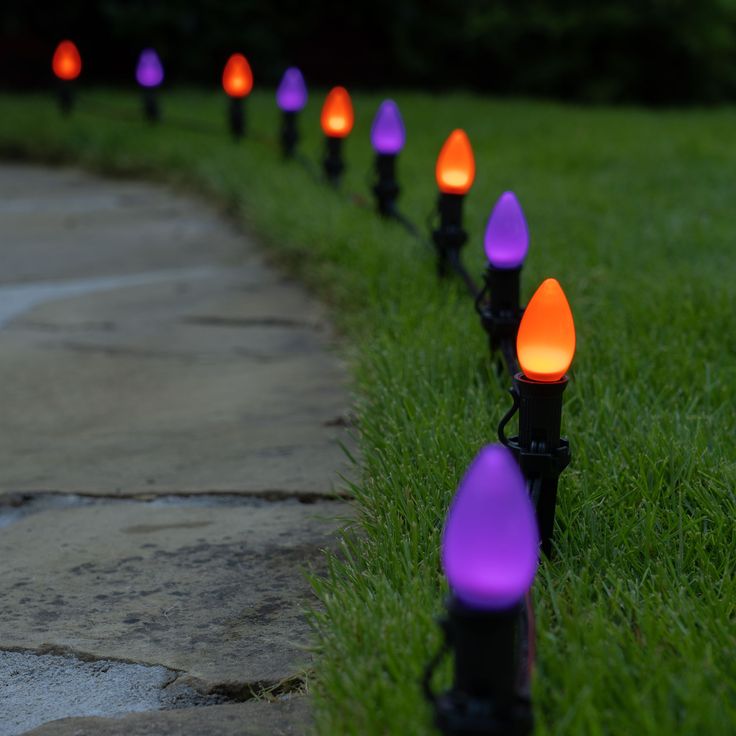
{"x":333,"y":163}
{"x":151,"y":108}
{"x":449,"y":237}
{"x":237,"y":117}
{"x":65,"y":97}
{"x":490,"y":690}
{"x":289,"y":134}
{"x":500,"y":312}
{"x":386,"y":189}
{"x":540,"y":451}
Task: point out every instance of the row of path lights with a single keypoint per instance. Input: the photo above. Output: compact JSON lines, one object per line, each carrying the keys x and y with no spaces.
{"x":503,"y":512}
{"x":491,"y":539}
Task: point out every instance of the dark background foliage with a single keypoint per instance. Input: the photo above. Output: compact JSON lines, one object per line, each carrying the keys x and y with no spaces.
{"x":652,"y":51}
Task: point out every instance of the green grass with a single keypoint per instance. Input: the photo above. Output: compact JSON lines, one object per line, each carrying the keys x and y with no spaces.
{"x":634,"y":213}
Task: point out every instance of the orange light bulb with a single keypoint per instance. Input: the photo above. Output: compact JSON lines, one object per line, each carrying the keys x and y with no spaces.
{"x":237,"y":77}
{"x":545,"y":342}
{"x":455,"y":169}
{"x":67,"y":63}
{"x":337,"y":114}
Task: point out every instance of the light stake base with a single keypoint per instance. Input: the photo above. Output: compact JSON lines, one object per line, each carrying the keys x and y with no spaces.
{"x":236,"y":117}
{"x":333,"y":163}
{"x":151,"y":109}
{"x":449,"y":237}
{"x":386,"y":188}
{"x":65,"y":96}
{"x":540,"y":451}
{"x":490,"y":691}
{"x":499,"y":311}
{"x":289,"y":134}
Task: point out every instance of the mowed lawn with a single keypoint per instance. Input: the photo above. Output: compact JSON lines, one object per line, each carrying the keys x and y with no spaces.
{"x":635,"y":213}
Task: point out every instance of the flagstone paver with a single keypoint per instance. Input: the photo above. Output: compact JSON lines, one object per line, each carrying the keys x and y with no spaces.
{"x":244,"y":719}
{"x":173,"y":413}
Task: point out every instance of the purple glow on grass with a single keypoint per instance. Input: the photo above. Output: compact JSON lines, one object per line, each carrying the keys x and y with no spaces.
{"x":149,"y":72}
{"x":490,"y":541}
{"x":388,"y":134}
{"x":507,"y":236}
{"x":291,"y":95}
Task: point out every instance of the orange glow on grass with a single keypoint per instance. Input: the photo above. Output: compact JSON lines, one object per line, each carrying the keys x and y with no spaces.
{"x":545,"y":343}
{"x":337,"y":114}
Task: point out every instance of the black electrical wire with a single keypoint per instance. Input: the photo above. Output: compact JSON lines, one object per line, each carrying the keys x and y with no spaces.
{"x":508,"y":351}
{"x":453,"y":257}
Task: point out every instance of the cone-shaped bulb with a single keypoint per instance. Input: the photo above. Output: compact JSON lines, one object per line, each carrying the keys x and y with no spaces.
{"x":507,"y":236}
{"x":388,"y":134}
{"x":291,"y":95}
{"x":237,"y":77}
{"x":456,"y":164}
{"x":490,"y":541}
{"x":337,"y":113}
{"x":66,"y":63}
{"x":150,"y":71}
{"x":545,"y":343}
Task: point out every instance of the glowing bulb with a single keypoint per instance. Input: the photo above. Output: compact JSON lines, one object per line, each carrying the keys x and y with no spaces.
{"x":455,"y":169}
{"x":490,"y":541}
{"x":237,"y":77}
{"x":507,"y":236}
{"x":545,"y":343}
{"x":388,"y":134}
{"x":337,"y":114}
{"x":67,"y":63}
{"x":291,"y":95}
{"x":149,"y":72}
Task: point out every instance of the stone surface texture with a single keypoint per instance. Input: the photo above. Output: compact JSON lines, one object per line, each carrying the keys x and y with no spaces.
{"x":245,"y":719}
{"x":202,"y":357}
{"x":173,"y":415}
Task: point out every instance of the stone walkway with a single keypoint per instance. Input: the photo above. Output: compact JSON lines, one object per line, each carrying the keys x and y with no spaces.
{"x":171,"y":421}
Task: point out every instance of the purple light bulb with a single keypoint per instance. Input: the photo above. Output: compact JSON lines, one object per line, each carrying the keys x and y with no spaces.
{"x":388,"y":134}
{"x":149,"y":72}
{"x":490,"y":542}
{"x":291,"y":95}
{"x":507,"y":236}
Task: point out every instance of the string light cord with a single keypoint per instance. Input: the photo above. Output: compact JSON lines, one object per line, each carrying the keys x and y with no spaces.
{"x":310,"y":167}
{"x":408,"y":225}
{"x":453,"y":258}
{"x":508,"y":350}
{"x":529,"y":642}
{"x":507,"y":417}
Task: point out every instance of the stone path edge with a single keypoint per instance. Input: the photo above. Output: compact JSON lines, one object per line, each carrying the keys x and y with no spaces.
{"x":257,"y":692}
{"x":238,"y":693}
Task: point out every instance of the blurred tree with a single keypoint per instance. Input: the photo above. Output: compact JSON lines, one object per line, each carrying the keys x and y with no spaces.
{"x":654,"y":51}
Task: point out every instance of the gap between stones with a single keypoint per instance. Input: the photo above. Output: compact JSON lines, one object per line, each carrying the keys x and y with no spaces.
{"x":54,"y":678}
{"x":42,"y":499}
{"x":216,"y":321}
{"x":155,"y":685}
{"x":231,"y":692}
{"x":204,"y":320}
